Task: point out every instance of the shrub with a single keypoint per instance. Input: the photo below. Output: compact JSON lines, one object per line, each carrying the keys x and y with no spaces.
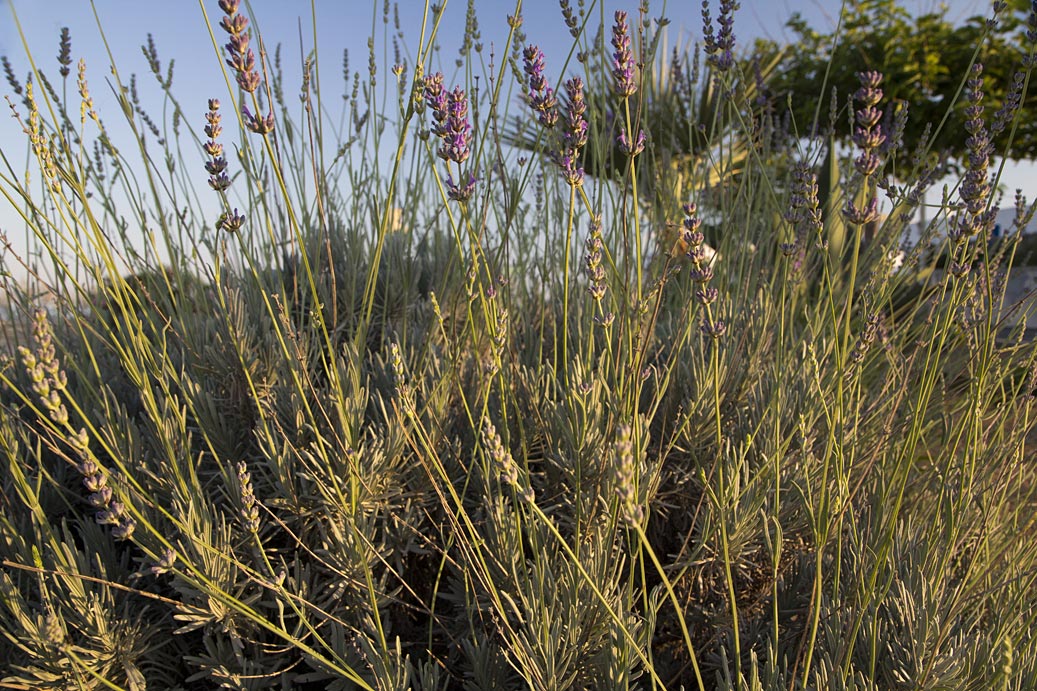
{"x":595,"y":415}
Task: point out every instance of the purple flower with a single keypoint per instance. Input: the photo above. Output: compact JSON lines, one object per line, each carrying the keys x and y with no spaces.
{"x":576,"y":131}
{"x":435,"y":96}
{"x":623,"y":58}
{"x":230,"y":221}
{"x":1011,"y":104}
{"x":574,"y":136}
{"x":707,"y":296}
{"x":242,"y":60}
{"x":541,"y":96}
{"x":867,"y":163}
{"x":868,"y":134}
{"x":713,"y":329}
{"x":571,"y":170}
{"x":456,"y":131}
{"x":859,"y":217}
{"x":624,"y":143}
{"x":460,"y":193}
{"x":719,"y":45}
{"x":534,"y":65}
{"x":258,"y":123}
{"x":451,"y":125}
{"x":975,"y":188}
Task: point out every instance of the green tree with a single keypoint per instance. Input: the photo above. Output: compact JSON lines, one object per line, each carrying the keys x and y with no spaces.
{"x":925,"y":60}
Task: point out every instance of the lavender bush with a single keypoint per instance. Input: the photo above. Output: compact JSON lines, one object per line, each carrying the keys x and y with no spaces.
{"x":607,"y":411}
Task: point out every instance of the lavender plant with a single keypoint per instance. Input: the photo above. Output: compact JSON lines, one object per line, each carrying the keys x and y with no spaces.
{"x":371,"y":425}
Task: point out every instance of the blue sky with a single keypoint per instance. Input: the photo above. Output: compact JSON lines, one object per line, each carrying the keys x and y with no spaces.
{"x":180,"y":33}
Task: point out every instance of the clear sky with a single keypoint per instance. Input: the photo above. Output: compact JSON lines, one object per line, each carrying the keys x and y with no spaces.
{"x":180,"y":32}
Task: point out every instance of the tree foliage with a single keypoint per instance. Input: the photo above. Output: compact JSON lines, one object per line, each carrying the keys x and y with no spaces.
{"x":925,"y":60}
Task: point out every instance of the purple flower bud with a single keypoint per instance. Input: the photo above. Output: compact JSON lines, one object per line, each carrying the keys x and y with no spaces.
{"x":257,"y":123}
{"x":859,"y":217}
{"x":460,"y":193}
{"x":870,"y":79}
{"x":571,"y":171}
{"x":707,"y":296}
{"x":623,"y":58}
{"x":713,"y":329}
{"x":625,"y":146}
{"x":867,"y":163}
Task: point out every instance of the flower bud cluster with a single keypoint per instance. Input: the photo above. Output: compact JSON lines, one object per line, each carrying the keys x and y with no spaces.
{"x":592,"y":261}
{"x":65,"y":52}
{"x":1030,"y":60}
{"x":542,"y":100}
{"x":631,"y":148}
{"x":804,"y":212}
{"x":872,"y":330}
{"x":869,"y":138}
{"x":720,"y":44}
{"x":396,"y":360}
{"x":574,"y":137}
{"x":1013,"y":99}
{"x":86,"y":104}
{"x":242,"y":60}
{"x":623,"y":82}
{"x":40,"y":146}
{"x":572,"y":22}
{"x":452,"y":127}
{"x":975,"y":187}
{"x":541,"y":97}
{"x":701,"y":271}
{"x":48,"y":379}
{"x":216,"y":166}
{"x":499,"y":331}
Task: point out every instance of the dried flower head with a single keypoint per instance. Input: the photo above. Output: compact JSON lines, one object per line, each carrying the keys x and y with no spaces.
{"x":504,"y":462}
{"x":249,"y":510}
{"x":592,"y":261}
{"x":626,"y":472}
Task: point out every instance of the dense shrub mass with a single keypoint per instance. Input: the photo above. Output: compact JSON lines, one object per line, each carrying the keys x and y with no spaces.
{"x":615,"y":379}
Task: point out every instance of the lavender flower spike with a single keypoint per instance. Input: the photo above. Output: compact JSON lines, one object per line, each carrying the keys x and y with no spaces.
{"x":623,"y":58}
{"x":719,"y":46}
{"x":541,"y":96}
{"x":451,"y":125}
{"x":457,"y":131}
